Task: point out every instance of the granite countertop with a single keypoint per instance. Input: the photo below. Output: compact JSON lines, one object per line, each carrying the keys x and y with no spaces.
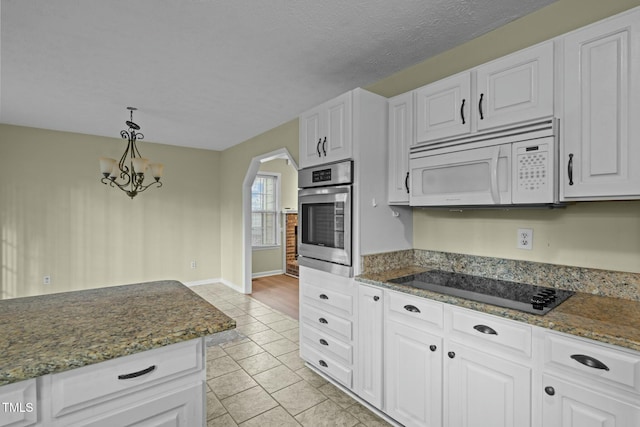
{"x":610,"y":320}
{"x":52,"y":333}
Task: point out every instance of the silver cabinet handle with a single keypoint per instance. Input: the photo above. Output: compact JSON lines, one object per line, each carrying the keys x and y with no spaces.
{"x":589,"y":361}
{"x":137,"y":374}
{"x":485,"y":329}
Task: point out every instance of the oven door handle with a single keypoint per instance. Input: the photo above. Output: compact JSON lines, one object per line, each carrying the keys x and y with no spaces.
{"x":341,"y":189}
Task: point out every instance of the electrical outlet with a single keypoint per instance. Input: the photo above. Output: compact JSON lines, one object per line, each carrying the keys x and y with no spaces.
{"x":46,"y":280}
{"x":525,"y":238}
{"x":193,"y":264}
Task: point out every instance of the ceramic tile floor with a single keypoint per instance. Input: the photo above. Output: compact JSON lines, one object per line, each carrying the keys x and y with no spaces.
{"x":255,"y":376}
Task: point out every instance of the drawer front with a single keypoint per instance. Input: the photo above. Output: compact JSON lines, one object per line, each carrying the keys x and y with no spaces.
{"x":594,"y":361}
{"x":415,"y":311}
{"x":19,"y":404}
{"x":90,"y":385}
{"x":327,"y":322}
{"x":490,"y":331}
{"x":327,"y":365}
{"x":327,"y":344}
{"x":326,"y":298}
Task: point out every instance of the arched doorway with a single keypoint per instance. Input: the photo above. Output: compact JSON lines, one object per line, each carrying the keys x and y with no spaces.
{"x":250,"y":176}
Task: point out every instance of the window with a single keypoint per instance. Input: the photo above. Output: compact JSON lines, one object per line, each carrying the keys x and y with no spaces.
{"x":265,"y":205}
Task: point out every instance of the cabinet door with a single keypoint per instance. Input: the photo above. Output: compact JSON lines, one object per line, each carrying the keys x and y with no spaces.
{"x":443,"y":108}
{"x":369,"y":365}
{"x":401,"y":137}
{"x":483,"y":390}
{"x":413,"y":376}
{"x":310,"y":137}
{"x":515,"y":88}
{"x":179,"y":408}
{"x":601,"y":154}
{"x":338,"y":133}
{"x":19,"y":404}
{"x":566,"y":404}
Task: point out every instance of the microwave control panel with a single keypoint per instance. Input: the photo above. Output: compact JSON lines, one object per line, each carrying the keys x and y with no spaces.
{"x":533,"y":174}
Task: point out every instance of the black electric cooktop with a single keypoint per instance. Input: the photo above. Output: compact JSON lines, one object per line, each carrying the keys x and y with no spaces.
{"x":514,"y":295}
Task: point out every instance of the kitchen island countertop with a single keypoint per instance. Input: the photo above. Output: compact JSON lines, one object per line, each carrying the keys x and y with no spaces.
{"x":610,"y":320}
{"x":52,"y":333}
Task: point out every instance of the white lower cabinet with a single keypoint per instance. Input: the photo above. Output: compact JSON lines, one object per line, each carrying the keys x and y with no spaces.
{"x":443,"y":365}
{"x":370,"y":345}
{"x":413,"y":375}
{"x":567,"y":404}
{"x":162,"y":387}
{"x":485,"y":390}
{"x":327,"y":315}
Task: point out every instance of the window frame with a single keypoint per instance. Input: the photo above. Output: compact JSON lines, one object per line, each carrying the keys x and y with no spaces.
{"x":277,"y":197}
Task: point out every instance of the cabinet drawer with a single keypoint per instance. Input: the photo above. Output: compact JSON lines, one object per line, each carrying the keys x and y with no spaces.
{"x":325,"y":343}
{"x":491,"y":332}
{"x":18,"y":404}
{"x":593,"y":361}
{"x":327,"y":365}
{"x":90,"y":385}
{"x":327,"y":322}
{"x":322,"y":298}
{"x":415,"y":311}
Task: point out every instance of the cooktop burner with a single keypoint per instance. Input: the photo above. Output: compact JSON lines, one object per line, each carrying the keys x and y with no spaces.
{"x":517,"y":296}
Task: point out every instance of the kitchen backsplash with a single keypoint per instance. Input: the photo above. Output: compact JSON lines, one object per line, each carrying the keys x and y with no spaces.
{"x":615,"y":284}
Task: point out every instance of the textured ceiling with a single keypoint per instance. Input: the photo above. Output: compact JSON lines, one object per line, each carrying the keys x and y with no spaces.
{"x":212,"y":73}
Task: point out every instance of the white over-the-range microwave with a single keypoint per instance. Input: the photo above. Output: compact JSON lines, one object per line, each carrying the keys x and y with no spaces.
{"x":514,"y":167}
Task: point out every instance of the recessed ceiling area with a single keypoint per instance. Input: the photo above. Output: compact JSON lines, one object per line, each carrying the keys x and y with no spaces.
{"x":211,"y":74}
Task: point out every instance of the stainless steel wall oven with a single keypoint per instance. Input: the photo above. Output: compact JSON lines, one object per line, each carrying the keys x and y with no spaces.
{"x":325,"y":217}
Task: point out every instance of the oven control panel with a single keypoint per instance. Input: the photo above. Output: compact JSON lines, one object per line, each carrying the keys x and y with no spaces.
{"x":332,"y":174}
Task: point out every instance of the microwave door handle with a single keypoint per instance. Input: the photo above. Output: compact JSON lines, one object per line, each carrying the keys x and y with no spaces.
{"x":495,"y":193}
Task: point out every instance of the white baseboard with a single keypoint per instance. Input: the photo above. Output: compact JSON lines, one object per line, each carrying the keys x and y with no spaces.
{"x":216,"y":280}
{"x":266,"y":273}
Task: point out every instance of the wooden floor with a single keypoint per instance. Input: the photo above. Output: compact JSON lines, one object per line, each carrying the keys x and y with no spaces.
{"x":279,"y":292}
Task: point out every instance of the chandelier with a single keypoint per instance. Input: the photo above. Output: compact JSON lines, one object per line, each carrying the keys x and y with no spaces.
{"x":128,"y":173}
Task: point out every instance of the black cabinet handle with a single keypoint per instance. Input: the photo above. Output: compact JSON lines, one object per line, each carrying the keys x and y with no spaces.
{"x":323,"y":320}
{"x":323,"y":296}
{"x":433,"y":347}
{"x":589,"y":361}
{"x":462,"y":111}
{"x":412,"y":308}
{"x":550,"y":390}
{"x":406,"y":182}
{"x":323,"y":363}
{"x":480,"y":106}
{"x":485,"y":329}
{"x":376,"y":298}
{"x":451,"y":355}
{"x":137,"y":374}
{"x":570,"y":169}
{"x":318,"y":147}
{"x":323,"y":341}
{"x":324,"y":146}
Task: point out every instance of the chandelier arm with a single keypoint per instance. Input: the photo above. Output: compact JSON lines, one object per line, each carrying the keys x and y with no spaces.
{"x":144,"y":187}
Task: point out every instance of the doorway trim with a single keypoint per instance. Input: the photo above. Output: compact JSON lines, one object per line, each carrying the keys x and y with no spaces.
{"x":254,"y":166}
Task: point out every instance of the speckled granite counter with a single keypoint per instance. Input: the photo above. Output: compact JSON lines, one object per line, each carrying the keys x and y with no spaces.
{"x":611,"y":320}
{"x":53,"y":333}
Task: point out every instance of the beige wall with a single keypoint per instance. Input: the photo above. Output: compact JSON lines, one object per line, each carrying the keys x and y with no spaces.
{"x":269,"y":260}
{"x":57,"y":219}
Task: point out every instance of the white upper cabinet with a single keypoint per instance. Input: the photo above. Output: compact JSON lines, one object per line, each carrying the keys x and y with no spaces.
{"x":326,"y":132}
{"x":443,"y":108}
{"x":401,"y":137}
{"x":515,"y":88}
{"x":600,"y":154}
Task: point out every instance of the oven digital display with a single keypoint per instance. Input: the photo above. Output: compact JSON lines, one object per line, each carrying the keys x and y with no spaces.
{"x":321,"y":175}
